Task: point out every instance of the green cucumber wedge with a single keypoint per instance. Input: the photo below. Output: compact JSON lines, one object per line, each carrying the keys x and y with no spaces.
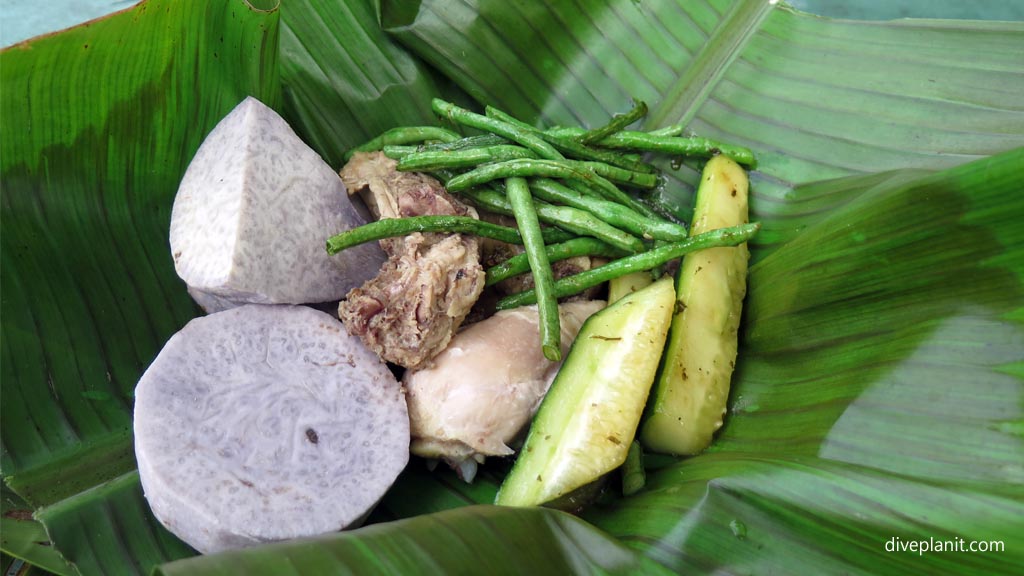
{"x":688,"y":401}
{"x":619,"y":287}
{"x":588,"y":418}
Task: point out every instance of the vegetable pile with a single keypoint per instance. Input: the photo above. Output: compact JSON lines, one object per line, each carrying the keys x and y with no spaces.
{"x":576,"y":192}
{"x":575,"y":180}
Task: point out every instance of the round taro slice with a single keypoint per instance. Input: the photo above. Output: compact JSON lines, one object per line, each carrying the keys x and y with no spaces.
{"x":265,"y":423}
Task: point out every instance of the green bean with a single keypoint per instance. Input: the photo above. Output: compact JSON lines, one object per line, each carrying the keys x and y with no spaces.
{"x":478,"y":141}
{"x":515,"y":133}
{"x":611,"y":212}
{"x":404,"y":135}
{"x":694,"y":146}
{"x":577,"y":221}
{"x":429,"y":161}
{"x":432,"y":158}
{"x":590,"y":191}
{"x":619,"y":175}
{"x":671,"y":130}
{"x":390,"y":227}
{"x":543,"y":280}
{"x":503,"y":116}
{"x":544,"y":168}
{"x":572,"y":147}
{"x":625,"y":161}
{"x":397,"y":152}
{"x":617,"y":123}
{"x":644,"y":261}
{"x":582,"y":246}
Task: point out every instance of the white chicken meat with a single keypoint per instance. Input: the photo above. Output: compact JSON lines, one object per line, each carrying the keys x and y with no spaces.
{"x":482,"y":389}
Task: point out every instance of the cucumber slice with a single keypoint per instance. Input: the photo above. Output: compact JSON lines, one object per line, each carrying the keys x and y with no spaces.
{"x":619,"y":287}
{"x":587,"y":421}
{"x":688,"y":402}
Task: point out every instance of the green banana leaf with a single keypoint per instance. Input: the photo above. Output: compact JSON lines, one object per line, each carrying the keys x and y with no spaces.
{"x":879,"y":390}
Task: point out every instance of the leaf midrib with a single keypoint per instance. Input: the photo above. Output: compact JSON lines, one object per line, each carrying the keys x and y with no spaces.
{"x":686,"y":95}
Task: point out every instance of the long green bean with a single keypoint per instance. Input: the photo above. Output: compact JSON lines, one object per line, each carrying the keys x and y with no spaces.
{"x":543,"y":280}
{"x":428,"y":161}
{"x":693,"y":146}
{"x":619,"y":175}
{"x":582,"y":246}
{"x":616,"y":124}
{"x":546,"y":169}
{"x":671,"y":130}
{"x":490,"y":200}
{"x":588,"y":190}
{"x":577,"y":283}
{"x":577,"y":221}
{"x":399,"y":151}
{"x":390,"y":227}
{"x":515,"y":133}
{"x":611,"y":212}
{"x":404,"y":135}
{"x":478,"y":141}
{"x":572,"y":147}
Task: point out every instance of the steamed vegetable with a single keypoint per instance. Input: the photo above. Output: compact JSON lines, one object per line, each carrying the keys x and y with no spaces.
{"x":619,"y":288}
{"x":543,"y":279}
{"x":570,"y":179}
{"x":637,"y":262}
{"x":688,"y":402}
{"x":404,"y":135}
{"x":586,"y":422}
{"x":392,"y":227}
{"x":265,"y":423}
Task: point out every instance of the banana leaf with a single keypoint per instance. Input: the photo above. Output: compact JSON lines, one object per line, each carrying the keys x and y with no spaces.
{"x":880,"y":388}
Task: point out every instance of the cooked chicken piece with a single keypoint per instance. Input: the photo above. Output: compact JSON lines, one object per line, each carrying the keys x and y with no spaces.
{"x":389,"y":193}
{"x":486,"y":385}
{"x":409,"y":312}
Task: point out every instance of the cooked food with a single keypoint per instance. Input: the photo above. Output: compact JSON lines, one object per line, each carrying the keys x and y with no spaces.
{"x":249,"y":215}
{"x":567,"y":191}
{"x":409,"y":311}
{"x":688,"y":402}
{"x":568,"y":179}
{"x":264,"y":423}
{"x":585,"y":425}
{"x":481,"y":391}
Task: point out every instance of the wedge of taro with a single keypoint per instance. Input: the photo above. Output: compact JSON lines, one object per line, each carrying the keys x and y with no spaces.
{"x":252,"y":213}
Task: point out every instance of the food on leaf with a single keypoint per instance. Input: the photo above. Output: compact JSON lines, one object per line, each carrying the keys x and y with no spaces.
{"x":688,"y":403}
{"x":485,"y":386}
{"x":249,"y":215}
{"x":586,"y":423}
{"x":264,"y":423}
{"x":409,"y":311}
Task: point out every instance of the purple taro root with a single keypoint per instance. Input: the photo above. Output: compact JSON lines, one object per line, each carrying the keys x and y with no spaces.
{"x":265,"y":423}
{"x":253,"y":212}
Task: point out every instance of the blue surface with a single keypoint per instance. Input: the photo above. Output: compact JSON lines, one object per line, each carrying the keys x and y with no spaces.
{"x":23,"y":19}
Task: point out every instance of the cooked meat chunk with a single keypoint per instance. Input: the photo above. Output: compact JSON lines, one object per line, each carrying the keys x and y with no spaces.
{"x":486,"y":385}
{"x":408,"y":313}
